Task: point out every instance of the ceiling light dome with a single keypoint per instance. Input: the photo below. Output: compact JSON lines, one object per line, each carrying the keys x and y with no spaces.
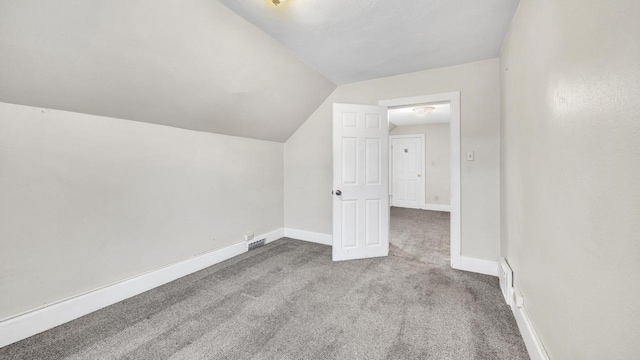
{"x":423,"y":110}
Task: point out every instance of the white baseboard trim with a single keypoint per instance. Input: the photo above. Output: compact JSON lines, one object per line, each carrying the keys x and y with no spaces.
{"x":42,"y":319}
{"x":436,"y":207}
{"x":531,"y":340}
{"x":325,"y":239}
{"x":272,"y":236}
{"x":480,"y":266}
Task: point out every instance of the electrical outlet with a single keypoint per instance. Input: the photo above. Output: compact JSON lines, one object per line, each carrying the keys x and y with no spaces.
{"x":519,"y":300}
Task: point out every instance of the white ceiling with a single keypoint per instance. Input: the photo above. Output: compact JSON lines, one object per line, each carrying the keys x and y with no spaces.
{"x":407,"y":117}
{"x":192,"y":64}
{"x":354,"y":40}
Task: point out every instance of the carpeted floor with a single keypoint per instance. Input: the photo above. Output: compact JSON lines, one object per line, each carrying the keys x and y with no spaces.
{"x":288,"y":300}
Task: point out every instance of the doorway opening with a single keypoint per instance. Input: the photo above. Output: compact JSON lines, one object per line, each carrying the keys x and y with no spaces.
{"x":362,"y":177}
{"x":424,"y":175}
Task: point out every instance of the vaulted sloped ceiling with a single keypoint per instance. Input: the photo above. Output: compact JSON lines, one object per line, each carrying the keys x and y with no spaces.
{"x":192,"y":64}
{"x":355,"y":40}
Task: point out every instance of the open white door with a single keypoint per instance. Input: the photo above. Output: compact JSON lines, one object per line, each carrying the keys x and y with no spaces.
{"x":360,"y":182}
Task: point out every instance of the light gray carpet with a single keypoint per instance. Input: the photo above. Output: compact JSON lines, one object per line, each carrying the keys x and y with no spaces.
{"x":288,"y":300}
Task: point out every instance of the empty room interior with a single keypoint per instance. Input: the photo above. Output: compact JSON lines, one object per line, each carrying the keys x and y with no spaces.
{"x":307,"y":179}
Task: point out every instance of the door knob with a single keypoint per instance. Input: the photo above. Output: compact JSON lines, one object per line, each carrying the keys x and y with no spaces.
{"x":338,"y":192}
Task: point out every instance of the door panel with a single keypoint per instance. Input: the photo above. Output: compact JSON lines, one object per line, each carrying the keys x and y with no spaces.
{"x":350,"y":223}
{"x":361,"y":168}
{"x":373,"y":161}
{"x":373,"y":221}
{"x":407,"y":181}
{"x":349,"y":161}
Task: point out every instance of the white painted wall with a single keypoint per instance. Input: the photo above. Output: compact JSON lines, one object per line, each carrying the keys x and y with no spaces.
{"x":571,"y":175}
{"x":86,"y":201}
{"x":437,"y":174}
{"x":308,"y":152}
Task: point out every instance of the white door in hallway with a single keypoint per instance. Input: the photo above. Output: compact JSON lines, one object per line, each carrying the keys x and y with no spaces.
{"x":360,"y":182}
{"x":407,"y":181}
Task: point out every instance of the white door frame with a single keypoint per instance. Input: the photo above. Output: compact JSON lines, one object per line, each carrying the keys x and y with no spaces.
{"x":422,"y":181}
{"x":454,"y":99}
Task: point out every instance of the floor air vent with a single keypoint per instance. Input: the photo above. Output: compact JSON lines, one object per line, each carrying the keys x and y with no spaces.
{"x":257,"y":243}
{"x":506,"y":280}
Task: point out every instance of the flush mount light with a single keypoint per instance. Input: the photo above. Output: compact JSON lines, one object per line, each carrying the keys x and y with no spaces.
{"x":424,"y":110}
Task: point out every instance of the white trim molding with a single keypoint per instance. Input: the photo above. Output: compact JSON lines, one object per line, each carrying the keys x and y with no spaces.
{"x":320,"y":238}
{"x":271,"y":236}
{"x":531,"y":340}
{"x":479,"y":266}
{"x":42,"y":319}
{"x":437,"y":207}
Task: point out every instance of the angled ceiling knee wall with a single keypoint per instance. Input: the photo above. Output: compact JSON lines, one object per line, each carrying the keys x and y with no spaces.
{"x":194,"y":65}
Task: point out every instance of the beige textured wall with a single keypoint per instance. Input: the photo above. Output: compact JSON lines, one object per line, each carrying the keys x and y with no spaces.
{"x":571,"y":174}
{"x":437,"y":175}
{"x":308,"y":152}
{"x":86,"y":201}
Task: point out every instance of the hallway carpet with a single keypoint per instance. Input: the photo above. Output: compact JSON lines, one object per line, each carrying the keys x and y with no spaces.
{"x":288,"y":300}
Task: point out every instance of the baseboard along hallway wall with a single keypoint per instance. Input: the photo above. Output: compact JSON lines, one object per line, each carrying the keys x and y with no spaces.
{"x":42,"y":319}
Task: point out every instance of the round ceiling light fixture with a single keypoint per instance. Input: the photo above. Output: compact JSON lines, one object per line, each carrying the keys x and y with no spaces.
{"x":423,"y":110}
